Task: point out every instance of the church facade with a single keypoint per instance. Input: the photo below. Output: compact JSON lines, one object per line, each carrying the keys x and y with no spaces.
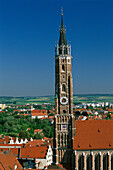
{"x":93,"y":145}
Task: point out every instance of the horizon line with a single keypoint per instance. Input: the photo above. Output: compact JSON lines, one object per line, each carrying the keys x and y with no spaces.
{"x":54,"y":95}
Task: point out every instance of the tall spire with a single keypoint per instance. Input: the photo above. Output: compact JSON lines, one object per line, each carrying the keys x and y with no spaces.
{"x":62,"y":25}
{"x":62,"y":39}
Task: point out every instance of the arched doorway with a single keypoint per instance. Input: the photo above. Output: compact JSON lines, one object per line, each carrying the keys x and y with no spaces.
{"x":105,"y":162}
{"x":89,"y":162}
{"x":97,"y":162}
{"x":81,"y":162}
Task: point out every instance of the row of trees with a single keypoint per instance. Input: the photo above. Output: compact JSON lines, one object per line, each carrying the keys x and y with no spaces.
{"x":15,"y":125}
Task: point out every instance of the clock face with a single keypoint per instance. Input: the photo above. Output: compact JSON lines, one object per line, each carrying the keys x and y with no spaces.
{"x":64,"y":100}
{"x":64,"y":127}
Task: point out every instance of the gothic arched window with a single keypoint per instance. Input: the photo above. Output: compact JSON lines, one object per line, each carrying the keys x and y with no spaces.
{"x":63,"y":67}
{"x":63,"y":87}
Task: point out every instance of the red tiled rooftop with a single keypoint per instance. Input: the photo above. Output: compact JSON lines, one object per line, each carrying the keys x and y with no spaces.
{"x":43,"y":118}
{"x":34,"y":152}
{"x":35,"y":142}
{"x":14,"y":150}
{"x":51,"y":117}
{"x":8,"y":160}
{"x":109,"y":109}
{"x":37,"y":130}
{"x":93,"y":134}
{"x":25,"y":114}
{"x":39,"y":112}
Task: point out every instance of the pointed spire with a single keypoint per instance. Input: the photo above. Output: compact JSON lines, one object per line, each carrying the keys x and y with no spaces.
{"x":62,"y":39}
{"x":62,"y":25}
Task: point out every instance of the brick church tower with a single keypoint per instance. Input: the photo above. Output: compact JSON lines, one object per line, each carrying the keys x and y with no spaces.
{"x":64,"y":122}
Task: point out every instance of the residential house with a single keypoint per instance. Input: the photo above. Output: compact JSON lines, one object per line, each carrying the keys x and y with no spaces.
{"x":36,"y":156}
{"x":39,"y":114}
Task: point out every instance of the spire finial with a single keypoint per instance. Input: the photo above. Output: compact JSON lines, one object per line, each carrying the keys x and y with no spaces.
{"x":62,"y":25}
{"x":62,"y":39}
{"x":61,"y":11}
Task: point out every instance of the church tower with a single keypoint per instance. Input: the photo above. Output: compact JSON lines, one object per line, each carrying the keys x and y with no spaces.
{"x":64,"y":121}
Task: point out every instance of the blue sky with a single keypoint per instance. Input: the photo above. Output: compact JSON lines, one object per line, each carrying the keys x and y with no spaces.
{"x":28,"y":31}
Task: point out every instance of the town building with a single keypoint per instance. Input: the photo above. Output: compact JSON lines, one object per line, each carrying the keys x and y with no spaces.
{"x":39,"y":114}
{"x":36,"y":157}
{"x":93,"y":145}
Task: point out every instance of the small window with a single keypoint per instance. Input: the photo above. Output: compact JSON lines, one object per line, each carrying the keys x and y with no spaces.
{"x":63,"y":77}
{"x":64,"y":111}
{"x":63,"y":88}
{"x":63,"y":67}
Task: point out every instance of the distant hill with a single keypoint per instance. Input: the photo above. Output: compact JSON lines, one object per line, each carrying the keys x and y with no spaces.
{"x":86,"y":98}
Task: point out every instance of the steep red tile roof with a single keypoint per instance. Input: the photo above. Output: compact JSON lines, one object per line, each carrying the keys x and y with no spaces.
{"x":25,"y":114}
{"x":35,"y":142}
{"x":37,"y":130}
{"x":39,"y":112}
{"x":109,"y":109}
{"x":15,"y":151}
{"x":93,"y":134}
{"x":51,"y":117}
{"x":2,"y":111}
{"x":43,"y":117}
{"x":34,"y":152}
{"x":16,"y":110}
{"x":8,"y":161}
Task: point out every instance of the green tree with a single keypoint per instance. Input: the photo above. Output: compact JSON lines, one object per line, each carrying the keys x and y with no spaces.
{"x":1,"y":128}
{"x":12,"y":134}
{"x":108,"y":116}
{"x":38,"y":136}
{"x":24,"y":134}
{"x":47,"y":131}
{"x":31,"y":131}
